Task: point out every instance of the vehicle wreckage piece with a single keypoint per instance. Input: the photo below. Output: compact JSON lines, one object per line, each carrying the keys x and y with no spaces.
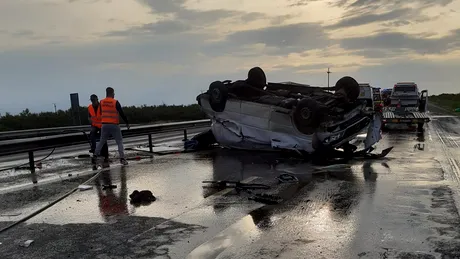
{"x":252,"y":114}
{"x":268,"y":199}
{"x":235,"y":184}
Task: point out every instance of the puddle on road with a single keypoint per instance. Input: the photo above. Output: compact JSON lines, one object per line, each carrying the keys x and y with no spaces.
{"x":344,"y":185}
{"x":237,"y":233}
{"x":221,"y":165}
{"x":177,"y":185}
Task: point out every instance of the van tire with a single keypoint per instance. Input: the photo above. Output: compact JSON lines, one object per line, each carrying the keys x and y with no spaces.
{"x":307,"y":116}
{"x":218,"y":95}
{"x":349,"y":86}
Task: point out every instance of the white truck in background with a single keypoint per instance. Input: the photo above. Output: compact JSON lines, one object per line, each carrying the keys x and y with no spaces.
{"x":407,"y":106}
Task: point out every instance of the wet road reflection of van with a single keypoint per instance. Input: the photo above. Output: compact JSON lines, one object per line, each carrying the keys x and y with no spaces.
{"x":350,"y":181}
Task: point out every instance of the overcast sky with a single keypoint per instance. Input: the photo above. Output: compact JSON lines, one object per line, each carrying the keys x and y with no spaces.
{"x":167,"y":51}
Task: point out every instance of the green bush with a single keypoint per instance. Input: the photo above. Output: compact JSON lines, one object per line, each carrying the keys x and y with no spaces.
{"x":136,"y":115}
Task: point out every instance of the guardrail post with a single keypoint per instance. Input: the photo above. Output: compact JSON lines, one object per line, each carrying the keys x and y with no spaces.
{"x":150,"y":143}
{"x":185,"y":135}
{"x":32,"y":166}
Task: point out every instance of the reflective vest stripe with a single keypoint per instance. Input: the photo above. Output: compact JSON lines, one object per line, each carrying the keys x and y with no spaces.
{"x":95,"y":118}
{"x":109,"y":111}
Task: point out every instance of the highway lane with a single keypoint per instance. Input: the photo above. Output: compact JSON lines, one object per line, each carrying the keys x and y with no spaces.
{"x":402,"y":206}
{"x":84,"y":148}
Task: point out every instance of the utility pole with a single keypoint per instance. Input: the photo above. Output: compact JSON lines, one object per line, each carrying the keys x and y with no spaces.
{"x":328,"y":72}
{"x":55,"y":110}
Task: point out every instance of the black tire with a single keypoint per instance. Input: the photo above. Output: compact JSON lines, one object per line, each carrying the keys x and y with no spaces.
{"x":218,"y":95}
{"x":349,"y":86}
{"x":257,"y":78}
{"x":307,"y":116}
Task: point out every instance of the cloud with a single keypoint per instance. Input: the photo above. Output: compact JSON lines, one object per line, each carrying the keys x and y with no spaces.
{"x":161,"y":6}
{"x":379,"y":53}
{"x":315,"y":68}
{"x":22,"y":33}
{"x":296,"y":3}
{"x":371,"y":18}
{"x":368,"y":8}
{"x":187,"y":22}
{"x":397,"y":23}
{"x":195,"y":17}
{"x":151,"y":29}
{"x":281,"y":19}
{"x":398,"y":41}
{"x":286,"y":39}
{"x":176,"y":18}
{"x":248,"y":17}
{"x":375,"y":4}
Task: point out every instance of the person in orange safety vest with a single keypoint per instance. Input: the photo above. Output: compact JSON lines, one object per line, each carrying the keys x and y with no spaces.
{"x":94,"y":117}
{"x":111,"y":110}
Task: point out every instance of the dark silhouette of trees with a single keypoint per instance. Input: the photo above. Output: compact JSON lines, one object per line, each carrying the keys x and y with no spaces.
{"x":447,"y":101}
{"x":136,"y":115}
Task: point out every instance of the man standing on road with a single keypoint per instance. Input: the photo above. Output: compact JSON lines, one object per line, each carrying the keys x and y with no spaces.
{"x":110,"y":110}
{"x":94,"y":120}
{"x":94,"y":117}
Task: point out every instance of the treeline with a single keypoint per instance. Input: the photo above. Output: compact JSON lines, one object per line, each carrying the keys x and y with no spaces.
{"x":447,"y":101}
{"x":136,"y":115}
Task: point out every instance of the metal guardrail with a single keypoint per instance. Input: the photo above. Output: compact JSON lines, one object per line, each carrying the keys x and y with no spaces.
{"x":14,"y":134}
{"x":43,"y":132}
{"x":11,"y":147}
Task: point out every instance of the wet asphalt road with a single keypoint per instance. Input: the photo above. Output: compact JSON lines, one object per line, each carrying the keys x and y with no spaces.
{"x":401,"y":206}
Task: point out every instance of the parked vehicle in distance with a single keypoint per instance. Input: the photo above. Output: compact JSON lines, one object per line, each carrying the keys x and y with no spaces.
{"x":366,"y":94}
{"x":378,"y":100}
{"x":372,"y":96}
{"x":407,"y":105}
{"x":385,"y":93}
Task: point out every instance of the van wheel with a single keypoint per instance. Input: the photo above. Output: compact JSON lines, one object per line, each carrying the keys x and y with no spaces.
{"x":218,"y":95}
{"x":349,"y":86}
{"x":307,"y":116}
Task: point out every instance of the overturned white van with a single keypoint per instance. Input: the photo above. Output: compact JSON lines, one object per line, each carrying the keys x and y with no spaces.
{"x":254,"y":115}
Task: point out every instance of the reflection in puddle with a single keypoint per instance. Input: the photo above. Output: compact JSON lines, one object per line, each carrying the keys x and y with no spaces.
{"x":368,"y":172}
{"x":239,"y":165}
{"x":110,"y":203}
{"x":240,"y":232}
{"x":421,"y":136}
